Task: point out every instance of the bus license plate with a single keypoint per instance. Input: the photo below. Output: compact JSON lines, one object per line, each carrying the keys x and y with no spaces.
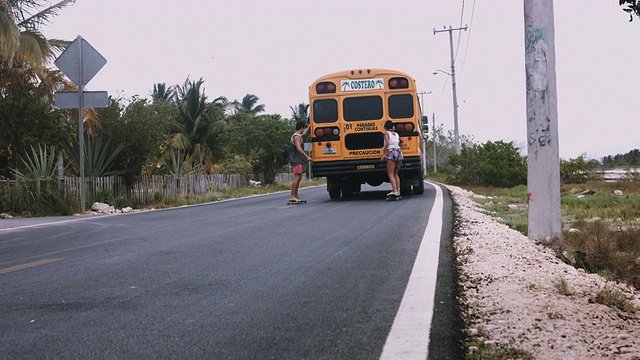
{"x":361,"y":167}
{"x":328,"y":150}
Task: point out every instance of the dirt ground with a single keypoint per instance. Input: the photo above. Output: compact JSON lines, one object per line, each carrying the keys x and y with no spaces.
{"x":511,"y":297}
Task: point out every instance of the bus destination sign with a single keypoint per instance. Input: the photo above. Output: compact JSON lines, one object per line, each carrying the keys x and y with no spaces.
{"x":361,"y":85}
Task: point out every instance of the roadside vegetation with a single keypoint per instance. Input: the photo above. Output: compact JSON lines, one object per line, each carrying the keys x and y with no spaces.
{"x":600,"y":219}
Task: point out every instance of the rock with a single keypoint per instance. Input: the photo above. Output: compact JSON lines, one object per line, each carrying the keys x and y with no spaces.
{"x":617,"y":192}
{"x":102,"y":208}
{"x":587,"y":192}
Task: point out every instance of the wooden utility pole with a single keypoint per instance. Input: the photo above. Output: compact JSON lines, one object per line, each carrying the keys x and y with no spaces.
{"x":543,"y":178}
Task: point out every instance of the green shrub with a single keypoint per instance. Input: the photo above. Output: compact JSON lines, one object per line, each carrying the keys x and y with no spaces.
{"x":490,"y":164}
{"x":578,"y":170}
{"x":29,"y":198}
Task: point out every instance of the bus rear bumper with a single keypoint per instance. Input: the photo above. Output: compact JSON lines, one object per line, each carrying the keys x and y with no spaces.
{"x":364,"y":168}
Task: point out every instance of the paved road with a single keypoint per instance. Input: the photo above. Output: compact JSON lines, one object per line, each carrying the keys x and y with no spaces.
{"x":244,"y":279}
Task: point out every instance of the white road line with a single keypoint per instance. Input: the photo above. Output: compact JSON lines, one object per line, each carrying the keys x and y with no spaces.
{"x":410,"y":332}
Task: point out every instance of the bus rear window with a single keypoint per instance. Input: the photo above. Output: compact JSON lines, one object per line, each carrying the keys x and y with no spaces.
{"x":362,"y":108}
{"x":325,"y":111}
{"x":360,"y":141}
{"x":401,"y":106}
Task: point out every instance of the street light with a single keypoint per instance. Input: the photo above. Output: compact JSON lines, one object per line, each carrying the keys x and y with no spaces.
{"x":455,"y":104}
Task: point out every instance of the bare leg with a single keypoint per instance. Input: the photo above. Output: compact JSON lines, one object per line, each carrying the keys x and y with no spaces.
{"x":391,"y":174}
{"x":396,"y":172}
{"x":294,"y":186}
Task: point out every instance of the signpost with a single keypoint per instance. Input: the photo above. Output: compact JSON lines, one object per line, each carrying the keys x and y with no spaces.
{"x":80,"y":62}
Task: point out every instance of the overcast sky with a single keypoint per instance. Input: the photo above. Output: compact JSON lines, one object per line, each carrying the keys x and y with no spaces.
{"x":275,"y":49}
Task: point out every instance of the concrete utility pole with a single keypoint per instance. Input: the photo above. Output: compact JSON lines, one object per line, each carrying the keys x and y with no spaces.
{"x":424,"y":139}
{"x":435,"y":159}
{"x":543,"y":177}
{"x":453,"y":83}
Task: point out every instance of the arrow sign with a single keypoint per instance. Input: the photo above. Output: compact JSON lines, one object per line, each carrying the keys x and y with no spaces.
{"x":80,"y":62}
{"x":90,"y":99}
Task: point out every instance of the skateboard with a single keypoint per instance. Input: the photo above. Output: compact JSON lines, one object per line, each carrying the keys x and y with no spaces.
{"x":394,"y":197}
{"x":296,"y":202}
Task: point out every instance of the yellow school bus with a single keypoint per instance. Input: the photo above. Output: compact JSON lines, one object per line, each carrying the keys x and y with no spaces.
{"x":348,"y":110}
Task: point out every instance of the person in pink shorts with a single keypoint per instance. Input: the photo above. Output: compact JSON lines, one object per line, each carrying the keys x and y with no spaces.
{"x":297,"y":156}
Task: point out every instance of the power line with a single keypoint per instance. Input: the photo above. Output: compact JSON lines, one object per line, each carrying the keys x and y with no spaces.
{"x":473,"y":8}
{"x":460,"y":37}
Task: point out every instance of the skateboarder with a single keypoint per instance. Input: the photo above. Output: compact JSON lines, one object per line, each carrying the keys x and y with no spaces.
{"x":296,"y":158}
{"x":392,"y":153}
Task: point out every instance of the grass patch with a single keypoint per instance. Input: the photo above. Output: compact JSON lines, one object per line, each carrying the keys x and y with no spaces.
{"x":606,"y":228}
{"x":615,"y":299}
{"x":486,"y":351}
{"x":562,"y":286}
{"x":217,"y":195}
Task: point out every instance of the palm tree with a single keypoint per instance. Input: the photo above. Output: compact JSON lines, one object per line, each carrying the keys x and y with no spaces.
{"x":300,"y":113}
{"x":25,"y":53}
{"x":248,"y":105}
{"x":198,"y":122}
{"x":162,"y":92}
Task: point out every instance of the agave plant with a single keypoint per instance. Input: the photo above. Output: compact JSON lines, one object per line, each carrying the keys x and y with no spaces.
{"x":40,"y":164}
{"x":98,"y":157}
{"x":177,"y":163}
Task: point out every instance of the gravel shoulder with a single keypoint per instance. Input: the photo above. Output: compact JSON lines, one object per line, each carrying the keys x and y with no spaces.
{"x":510,"y":296}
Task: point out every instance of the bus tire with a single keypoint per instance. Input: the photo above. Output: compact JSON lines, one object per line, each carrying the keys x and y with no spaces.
{"x":334,"y":193}
{"x":419,"y":189}
{"x":405,"y":189}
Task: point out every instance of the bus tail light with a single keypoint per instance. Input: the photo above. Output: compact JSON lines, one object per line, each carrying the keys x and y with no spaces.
{"x":405,"y":129}
{"x":326,"y":87}
{"x":326,"y":133}
{"x":398,"y":83}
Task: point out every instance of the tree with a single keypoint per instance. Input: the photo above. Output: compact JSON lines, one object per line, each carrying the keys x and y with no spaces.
{"x":248,"y":105}
{"x":578,"y":170}
{"x":144,"y":128}
{"x":445,"y":145}
{"x":632,"y":8}
{"x":27,"y":119}
{"x":632,"y":158}
{"x":162,"y":92}
{"x":194,"y":127}
{"x":24,"y":51}
{"x":300,"y":112}
{"x":496,"y":164}
{"x":199,"y":123}
{"x":264,"y":142}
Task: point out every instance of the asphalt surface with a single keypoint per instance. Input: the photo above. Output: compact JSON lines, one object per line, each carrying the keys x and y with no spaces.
{"x":245,"y":279}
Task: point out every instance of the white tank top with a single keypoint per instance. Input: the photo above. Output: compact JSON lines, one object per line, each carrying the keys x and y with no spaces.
{"x":394,"y":140}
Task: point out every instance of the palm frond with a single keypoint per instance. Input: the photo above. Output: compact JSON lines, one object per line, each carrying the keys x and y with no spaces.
{"x":33,"y":50}
{"x":33,"y":21}
{"x":9,"y":36}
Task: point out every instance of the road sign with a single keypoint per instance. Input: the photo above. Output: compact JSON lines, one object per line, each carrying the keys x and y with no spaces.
{"x":80,"y":62}
{"x":91,"y":99}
